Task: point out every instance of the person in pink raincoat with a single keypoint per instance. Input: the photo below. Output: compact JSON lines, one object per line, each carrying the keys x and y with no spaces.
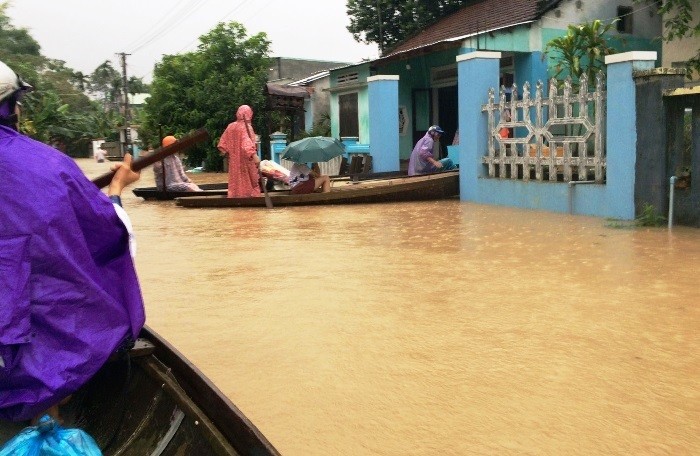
{"x":238,"y":142}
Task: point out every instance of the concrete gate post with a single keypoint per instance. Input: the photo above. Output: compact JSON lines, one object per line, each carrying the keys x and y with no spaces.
{"x":477,"y":72}
{"x":383,"y":95}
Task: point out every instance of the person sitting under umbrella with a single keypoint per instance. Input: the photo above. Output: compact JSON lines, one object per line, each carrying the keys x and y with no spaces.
{"x":303,"y":180}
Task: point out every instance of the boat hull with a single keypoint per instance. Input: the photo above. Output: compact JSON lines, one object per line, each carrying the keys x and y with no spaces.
{"x":153,"y":193}
{"x":414,"y":188}
{"x":157,"y":402}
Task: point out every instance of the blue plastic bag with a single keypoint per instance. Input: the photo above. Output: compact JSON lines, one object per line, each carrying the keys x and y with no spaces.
{"x":47,"y":438}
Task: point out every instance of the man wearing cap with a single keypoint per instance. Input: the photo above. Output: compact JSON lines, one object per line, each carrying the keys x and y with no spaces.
{"x":422,"y":161}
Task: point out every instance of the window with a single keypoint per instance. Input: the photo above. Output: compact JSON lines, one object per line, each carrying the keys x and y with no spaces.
{"x":349,"y":123}
{"x":347,"y":78}
{"x":624,"y":14}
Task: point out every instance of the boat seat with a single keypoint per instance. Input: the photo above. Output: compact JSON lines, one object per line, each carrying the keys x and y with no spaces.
{"x":355,"y":164}
{"x":367,"y":164}
{"x":343,"y":168}
{"x":142,"y":347}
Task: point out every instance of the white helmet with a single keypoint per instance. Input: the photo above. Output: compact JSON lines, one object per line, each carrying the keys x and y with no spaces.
{"x":10,"y":83}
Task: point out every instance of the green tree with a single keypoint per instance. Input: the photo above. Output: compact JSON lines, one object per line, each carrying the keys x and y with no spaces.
{"x":14,"y":41}
{"x":389,"y":22}
{"x":136,"y":85}
{"x":678,"y":24}
{"x":18,"y":49}
{"x":205,"y":87}
{"x":107,"y":82}
{"x":59,"y":112}
{"x":581,"y":51}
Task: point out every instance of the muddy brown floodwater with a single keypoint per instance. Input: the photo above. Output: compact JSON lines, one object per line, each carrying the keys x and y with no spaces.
{"x":431,"y":328}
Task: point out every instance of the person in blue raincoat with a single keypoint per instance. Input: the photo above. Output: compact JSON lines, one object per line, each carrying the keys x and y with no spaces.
{"x":68,"y":289}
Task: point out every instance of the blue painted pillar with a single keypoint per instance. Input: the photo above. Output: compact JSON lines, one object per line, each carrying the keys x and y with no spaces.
{"x":278,"y":141}
{"x":477,"y":72}
{"x":621,"y":130}
{"x":383,"y":96}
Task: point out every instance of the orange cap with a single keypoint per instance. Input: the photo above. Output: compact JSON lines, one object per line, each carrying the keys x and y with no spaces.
{"x":168,"y":140}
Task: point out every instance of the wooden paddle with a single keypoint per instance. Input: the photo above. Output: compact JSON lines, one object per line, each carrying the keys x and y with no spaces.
{"x":160,"y":153}
{"x":268,"y":200}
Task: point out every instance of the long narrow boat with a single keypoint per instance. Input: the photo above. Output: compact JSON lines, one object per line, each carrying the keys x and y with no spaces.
{"x":393,"y":189}
{"x":218,"y":189}
{"x":153,"y":193}
{"x":155,"y":402}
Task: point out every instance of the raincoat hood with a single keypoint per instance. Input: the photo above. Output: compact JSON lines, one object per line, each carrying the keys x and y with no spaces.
{"x":244,"y":112}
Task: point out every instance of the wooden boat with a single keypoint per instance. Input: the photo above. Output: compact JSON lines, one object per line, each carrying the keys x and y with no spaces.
{"x":389,"y":189}
{"x":218,"y":189}
{"x":156,"y":402}
{"x":153,"y":193}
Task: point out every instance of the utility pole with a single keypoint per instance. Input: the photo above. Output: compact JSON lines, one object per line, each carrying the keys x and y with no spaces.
{"x":127,"y":114}
{"x":381,"y":39}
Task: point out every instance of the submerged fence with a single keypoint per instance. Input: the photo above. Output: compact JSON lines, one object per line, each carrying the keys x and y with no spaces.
{"x":558,"y":138}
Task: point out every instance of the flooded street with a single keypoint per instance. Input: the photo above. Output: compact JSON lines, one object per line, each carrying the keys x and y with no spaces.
{"x":431,"y":328}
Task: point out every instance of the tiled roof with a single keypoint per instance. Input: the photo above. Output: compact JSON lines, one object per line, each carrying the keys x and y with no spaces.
{"x":476,"y":18}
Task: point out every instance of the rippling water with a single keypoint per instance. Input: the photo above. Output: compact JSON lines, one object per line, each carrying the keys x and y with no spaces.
{"x":432,"y":328}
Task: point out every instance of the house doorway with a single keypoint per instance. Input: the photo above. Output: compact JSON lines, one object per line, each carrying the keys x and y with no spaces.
{"x":448,"y":116}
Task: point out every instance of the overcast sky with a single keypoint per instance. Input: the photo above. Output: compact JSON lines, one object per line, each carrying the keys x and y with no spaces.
{"x":85,"y":33}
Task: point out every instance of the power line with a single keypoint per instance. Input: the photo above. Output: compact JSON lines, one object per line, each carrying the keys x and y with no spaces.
{"x":165,"y":28}
{"x":156,"y":26}
{"x":223,"y":18}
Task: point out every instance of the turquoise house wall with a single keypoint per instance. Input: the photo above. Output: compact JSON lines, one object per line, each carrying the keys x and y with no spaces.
{"x":514,"y":40}
{"x":415,"y":76}
{"x":362,"y":99}
{"x":530,"y":67}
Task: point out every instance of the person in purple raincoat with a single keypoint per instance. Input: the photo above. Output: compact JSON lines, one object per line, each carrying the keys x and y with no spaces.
{"x":69,"y":295}
{"x":422,"y":161}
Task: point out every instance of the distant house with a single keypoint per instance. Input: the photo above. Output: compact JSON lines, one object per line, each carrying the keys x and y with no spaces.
{"x":297,"y":88}
{"x":426,"y":63}
{"x":317,"y":105}
{"x":284,"y":70}
{"x":677,"y":52}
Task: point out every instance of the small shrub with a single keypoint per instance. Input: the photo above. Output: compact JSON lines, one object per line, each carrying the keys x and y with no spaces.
{"x":649,"y":217}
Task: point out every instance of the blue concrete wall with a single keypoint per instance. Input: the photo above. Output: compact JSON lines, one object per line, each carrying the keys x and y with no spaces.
{"x":383,"y":94}
{"x":477,"y":72}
